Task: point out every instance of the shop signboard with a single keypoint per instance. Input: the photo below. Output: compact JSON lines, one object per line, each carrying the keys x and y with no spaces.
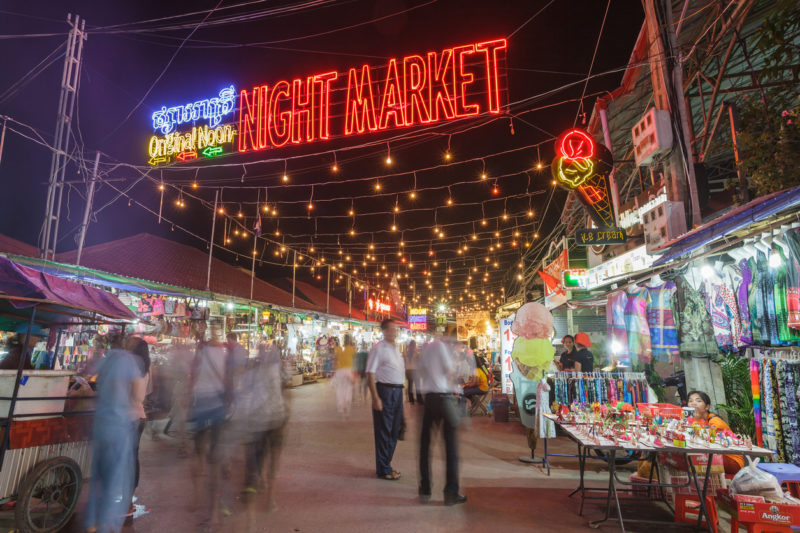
{"x":506,"y":346}
{"x":554,"y":293}
{"x":418,"y":319}
{"x":471,"y":324}
{"x":418,"y":89}
{"x":379,"y":306}
{"x":631,"y":213}
{"x":600,"y":236}
{"x":627,"y":263}
{"x":573,"y":278}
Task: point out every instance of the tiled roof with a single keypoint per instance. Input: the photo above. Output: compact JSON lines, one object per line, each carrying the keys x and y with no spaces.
{"x":13,"y":246}
{"x":153,"y":258}
{"x":337,"y":306}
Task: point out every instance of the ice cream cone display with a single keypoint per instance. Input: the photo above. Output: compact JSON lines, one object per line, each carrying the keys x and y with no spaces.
{"x":532,"y":352}
{"x":583,"y":166}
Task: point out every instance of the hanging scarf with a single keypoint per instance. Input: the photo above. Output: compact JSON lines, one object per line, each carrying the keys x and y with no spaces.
{"x":754,"y":384}
{"x":776,"y":414}
{"x":769,"y":406}
{"x":791,"y":403}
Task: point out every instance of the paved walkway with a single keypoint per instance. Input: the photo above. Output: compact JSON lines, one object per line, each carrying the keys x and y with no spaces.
{"x":327,"y":480}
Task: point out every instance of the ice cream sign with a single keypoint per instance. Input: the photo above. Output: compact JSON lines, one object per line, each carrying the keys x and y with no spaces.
{"x":583,"y":166}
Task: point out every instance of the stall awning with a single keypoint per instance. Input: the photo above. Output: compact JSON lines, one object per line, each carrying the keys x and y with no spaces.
{"x":739,"y":218}
{"x":57,"y":299}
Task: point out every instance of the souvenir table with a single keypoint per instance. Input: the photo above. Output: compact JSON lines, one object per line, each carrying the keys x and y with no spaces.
{"x":587,"y":440}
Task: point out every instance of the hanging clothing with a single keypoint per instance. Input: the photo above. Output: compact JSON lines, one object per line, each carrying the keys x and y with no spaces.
{"x":721,"y":305}
{"x":792,"y":238}
{"x":756,"y":304}
{"x":756,"y":388}
{"x":639,"y":347}
{"x":789,"y":398}
{"x":780,"y":408}
{"x":695,"y":331}
{"x":615,"y":320}
{"x":769,"y":407}
{"x":769,"y":327}
{"x":547,"y":430}
{"x":737,"y":278}
{"x":780,"y":289}
{"x":661,"y":321}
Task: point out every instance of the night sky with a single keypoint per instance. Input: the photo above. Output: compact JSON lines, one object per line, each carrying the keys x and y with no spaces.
{"x":125,"y":63}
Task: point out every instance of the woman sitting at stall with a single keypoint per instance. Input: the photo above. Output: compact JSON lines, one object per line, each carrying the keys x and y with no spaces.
{"x":701,"y":403}
{"x":568,"y":362}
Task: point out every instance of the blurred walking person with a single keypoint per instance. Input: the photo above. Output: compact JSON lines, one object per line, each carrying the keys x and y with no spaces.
{"x":111,"y":486}
{"x":261,"y":414}
{"x":439,"y":369}
{"x":385,"y":377}
{"x":138,"y":347}
{"x":211,"y":387}
{"x":343,"y":379}
{"x":412,"y":376}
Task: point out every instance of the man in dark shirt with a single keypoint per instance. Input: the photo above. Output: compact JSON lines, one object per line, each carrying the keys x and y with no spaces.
{"x":584,"y":356}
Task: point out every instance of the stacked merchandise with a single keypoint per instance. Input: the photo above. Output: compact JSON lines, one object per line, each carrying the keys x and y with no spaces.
{"x":674,"y":470}
{"x":775,"y":376}
{"x":609,"y":388}
{"x":752,"y":300}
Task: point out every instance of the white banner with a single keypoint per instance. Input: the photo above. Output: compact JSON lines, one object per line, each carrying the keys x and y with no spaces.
{"x":506,"y":345}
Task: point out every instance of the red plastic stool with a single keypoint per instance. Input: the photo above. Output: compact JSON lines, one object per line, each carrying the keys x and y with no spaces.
{"x":687,"y":509}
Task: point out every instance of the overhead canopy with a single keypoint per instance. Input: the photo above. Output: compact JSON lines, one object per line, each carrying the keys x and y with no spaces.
{"x":57,"y":301}
{"x":750,"y":213}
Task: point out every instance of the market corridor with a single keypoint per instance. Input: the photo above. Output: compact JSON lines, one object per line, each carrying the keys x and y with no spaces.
{"x":327,"y":482}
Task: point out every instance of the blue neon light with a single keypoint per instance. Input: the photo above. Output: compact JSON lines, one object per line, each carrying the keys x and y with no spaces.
{"x":211,"y":109}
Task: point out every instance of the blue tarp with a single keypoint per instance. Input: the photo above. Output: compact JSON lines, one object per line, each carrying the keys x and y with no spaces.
{"x":741,"y":217}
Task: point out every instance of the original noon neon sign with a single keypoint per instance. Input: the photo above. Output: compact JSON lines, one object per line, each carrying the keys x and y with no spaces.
{"x":417,"y":89}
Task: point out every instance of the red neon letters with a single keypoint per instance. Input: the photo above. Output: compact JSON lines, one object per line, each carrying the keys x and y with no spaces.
{"x":457,"y":82}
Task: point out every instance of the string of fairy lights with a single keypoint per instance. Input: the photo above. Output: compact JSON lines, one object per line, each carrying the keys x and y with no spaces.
{"x":439,"y":284}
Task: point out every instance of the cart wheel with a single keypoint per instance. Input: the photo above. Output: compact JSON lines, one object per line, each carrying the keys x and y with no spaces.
{"x":48,"y":496}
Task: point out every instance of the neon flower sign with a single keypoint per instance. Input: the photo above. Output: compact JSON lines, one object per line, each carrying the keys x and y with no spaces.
{"x":583,"y":166}
{"x":211,"y":109}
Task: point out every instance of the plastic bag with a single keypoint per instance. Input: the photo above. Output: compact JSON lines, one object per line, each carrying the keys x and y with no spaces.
{"x":753,"y":481}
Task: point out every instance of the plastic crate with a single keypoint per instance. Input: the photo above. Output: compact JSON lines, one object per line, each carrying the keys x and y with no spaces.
{"x":660,"y":409}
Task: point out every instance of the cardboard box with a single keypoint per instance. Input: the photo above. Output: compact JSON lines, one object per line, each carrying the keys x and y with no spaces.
{"x":754,"y":509}
{"x":678,"y":462}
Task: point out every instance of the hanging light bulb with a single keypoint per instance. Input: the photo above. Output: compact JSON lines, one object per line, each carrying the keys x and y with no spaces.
{"x":388,"y":159}
{"x":449,"y":201}
{"x":483,"y":222}
{"x":310,"y":206}
{"x":447,"y":155}
{"x":495,"y":190}
{"x":394,"y":227}
{"x":335,"y":168}
{"x":285,"y":178}
{"x":378,"y":186}
{"x":412,"y":195}
{"x":194,"y":185}
{"x":352,"y":232}
{"x":484,"y":176}
{"x":161,"y":187}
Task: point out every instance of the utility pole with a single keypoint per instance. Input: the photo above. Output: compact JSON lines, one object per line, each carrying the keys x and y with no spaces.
{"x":88,"y":209}
{"x":328,"y":292}
{"x":70,"y":79}
{"x":679,"y":166}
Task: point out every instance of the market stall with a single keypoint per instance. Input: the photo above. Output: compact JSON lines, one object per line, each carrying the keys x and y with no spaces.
{"x":45,"y":451}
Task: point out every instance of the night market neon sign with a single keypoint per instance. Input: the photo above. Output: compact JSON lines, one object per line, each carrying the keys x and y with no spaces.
{"x":454,"y":83}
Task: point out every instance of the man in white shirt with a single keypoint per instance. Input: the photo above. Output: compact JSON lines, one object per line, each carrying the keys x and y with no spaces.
{"x":385,"y":376}
{"x":439,"y":371}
